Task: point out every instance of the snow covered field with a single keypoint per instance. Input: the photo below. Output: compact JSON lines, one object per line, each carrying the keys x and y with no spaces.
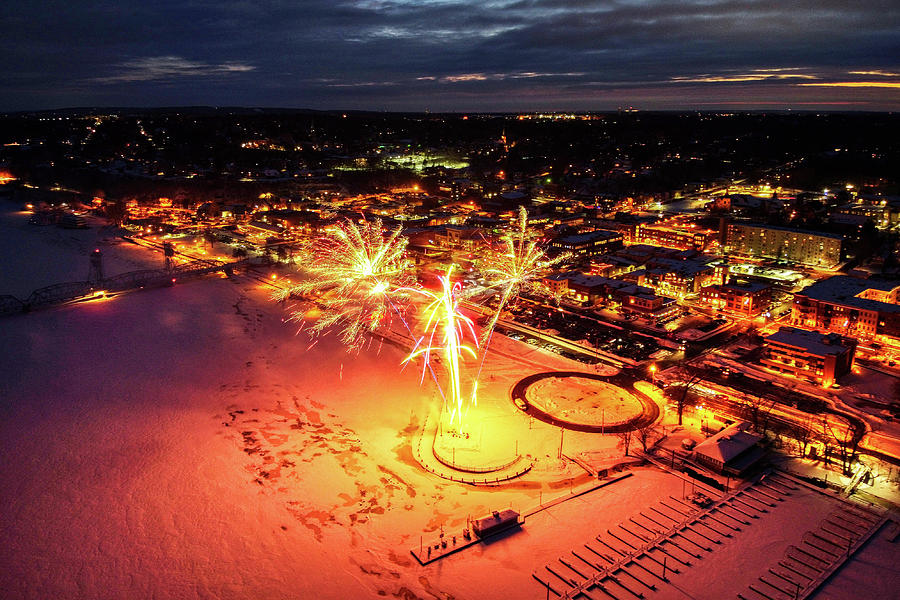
{"x":35,"y":256}
{"x":184,"y":442}
{"x":584,"y":400}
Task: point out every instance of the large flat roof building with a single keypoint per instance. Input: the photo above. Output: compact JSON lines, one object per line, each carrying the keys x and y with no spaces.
{"x":817,"y":357}
{"x":591,"y":243}
{"x":681,"y":236}
{"x":861,"y":308}
{"x":795,"y":245}
{"x":745,"y":298}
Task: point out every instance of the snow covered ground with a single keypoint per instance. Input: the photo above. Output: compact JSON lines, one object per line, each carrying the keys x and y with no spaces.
{"x":584,"y":400}
{"x":184,"y":442}
{"x":35,"y":256}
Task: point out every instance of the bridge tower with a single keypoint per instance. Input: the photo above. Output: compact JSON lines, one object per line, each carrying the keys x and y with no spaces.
{"x":169,"y":252}
{"x":95,"y":272}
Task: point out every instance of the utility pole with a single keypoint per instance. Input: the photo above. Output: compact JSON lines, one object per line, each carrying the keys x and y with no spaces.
{"x":562,"y":432}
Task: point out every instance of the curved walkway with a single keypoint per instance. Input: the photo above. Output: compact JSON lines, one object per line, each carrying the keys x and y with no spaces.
{"x":428,"y":459}
{"x":649,"y":408}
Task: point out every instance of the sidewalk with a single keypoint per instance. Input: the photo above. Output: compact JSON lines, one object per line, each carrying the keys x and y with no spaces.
{"x":884,"y":485}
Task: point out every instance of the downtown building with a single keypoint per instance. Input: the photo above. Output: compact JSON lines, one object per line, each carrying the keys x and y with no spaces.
{"x":678,"y":236}
{"x":782,"y":243}
{"x":592,"y":243}
{"x":631,"y":299}
{"x":747,"y":299}
{"x":865,"y":309}
{"x":816,"y":357}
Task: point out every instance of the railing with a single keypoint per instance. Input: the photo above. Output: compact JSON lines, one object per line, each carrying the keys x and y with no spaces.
{"x":75,"y":290}
{"x":506,"y":476}
{"x":60,"y":292}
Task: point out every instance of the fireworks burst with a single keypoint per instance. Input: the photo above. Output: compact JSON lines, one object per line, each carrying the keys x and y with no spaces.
{"x":517,"y":267}
{"x":355,"y":274}
{"x":445,"y":333}
{"x":358,"y":276}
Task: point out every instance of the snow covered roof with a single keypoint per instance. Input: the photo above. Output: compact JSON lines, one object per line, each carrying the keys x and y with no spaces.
{"x":590,"y":236}
{"x":811,"y":341}
{"x":844,"y":290}
{"x":746,"y":286}
{"x":728,"y":444}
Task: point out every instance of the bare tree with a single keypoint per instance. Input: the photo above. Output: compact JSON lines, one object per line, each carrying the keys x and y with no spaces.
{"x":757,"y":410}
{"x":645,"y":433}
{"x":117,"y":211}
{"x":625,"y":438}
{"x":680,"y":395}
{"x":844,"y":440}
{"x":802,"y":433}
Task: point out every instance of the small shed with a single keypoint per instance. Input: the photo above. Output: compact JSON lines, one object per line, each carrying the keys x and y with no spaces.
{"x":732,"y":451}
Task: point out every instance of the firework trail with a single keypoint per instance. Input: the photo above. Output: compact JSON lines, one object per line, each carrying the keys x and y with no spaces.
{"x":356,"y":273}
{"x":445,"y":331}
{"x":521,"y":262}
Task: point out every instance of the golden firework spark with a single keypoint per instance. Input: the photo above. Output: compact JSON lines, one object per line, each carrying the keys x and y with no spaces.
{"x":522,"y":262}
{"x":445,"y":330}
{"x":354,"y":274}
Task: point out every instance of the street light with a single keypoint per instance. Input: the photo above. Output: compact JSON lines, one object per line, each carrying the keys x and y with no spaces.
{"x":653,"y":373}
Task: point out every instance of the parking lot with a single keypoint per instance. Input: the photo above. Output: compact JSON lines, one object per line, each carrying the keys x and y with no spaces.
{"x":579,"y":328}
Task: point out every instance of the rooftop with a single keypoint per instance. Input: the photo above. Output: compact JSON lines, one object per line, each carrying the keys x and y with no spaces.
{"x":682,"y":267}
{"x":843,"y":289}
{"x":728,"y":444}
{"x":746,"y":286}
{"x":813,"y":342}
{"x":583,"y":280}
{"x":588,"y":237}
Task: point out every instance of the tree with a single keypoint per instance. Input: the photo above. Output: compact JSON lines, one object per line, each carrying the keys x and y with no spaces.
{"x":844,"y":440}
{"x":625,"y":438}
{"x":645,"y":433}
{"x":117,"y":211}
{"x":802,"y":433}
{"x":680,"y":396}
{"x":756,"y":409}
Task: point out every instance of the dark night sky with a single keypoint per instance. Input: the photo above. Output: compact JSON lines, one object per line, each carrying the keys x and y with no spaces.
{"x":457,"y":55}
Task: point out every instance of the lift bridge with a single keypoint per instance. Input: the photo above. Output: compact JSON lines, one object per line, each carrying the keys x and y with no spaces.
{"x":79,"y":290}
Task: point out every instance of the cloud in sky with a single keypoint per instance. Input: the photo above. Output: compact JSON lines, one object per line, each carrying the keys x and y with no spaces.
{"x":857,"y":84}
{"x":753,"y":75}
{"x":443,"y":54}
{"x":156,"y":68}
{"x":877,"y":73}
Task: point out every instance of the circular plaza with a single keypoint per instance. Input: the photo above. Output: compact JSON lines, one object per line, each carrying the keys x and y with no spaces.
{"x":588,"y":402}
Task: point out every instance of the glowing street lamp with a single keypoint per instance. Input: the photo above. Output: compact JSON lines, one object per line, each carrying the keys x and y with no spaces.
{"x":653,"y":373}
